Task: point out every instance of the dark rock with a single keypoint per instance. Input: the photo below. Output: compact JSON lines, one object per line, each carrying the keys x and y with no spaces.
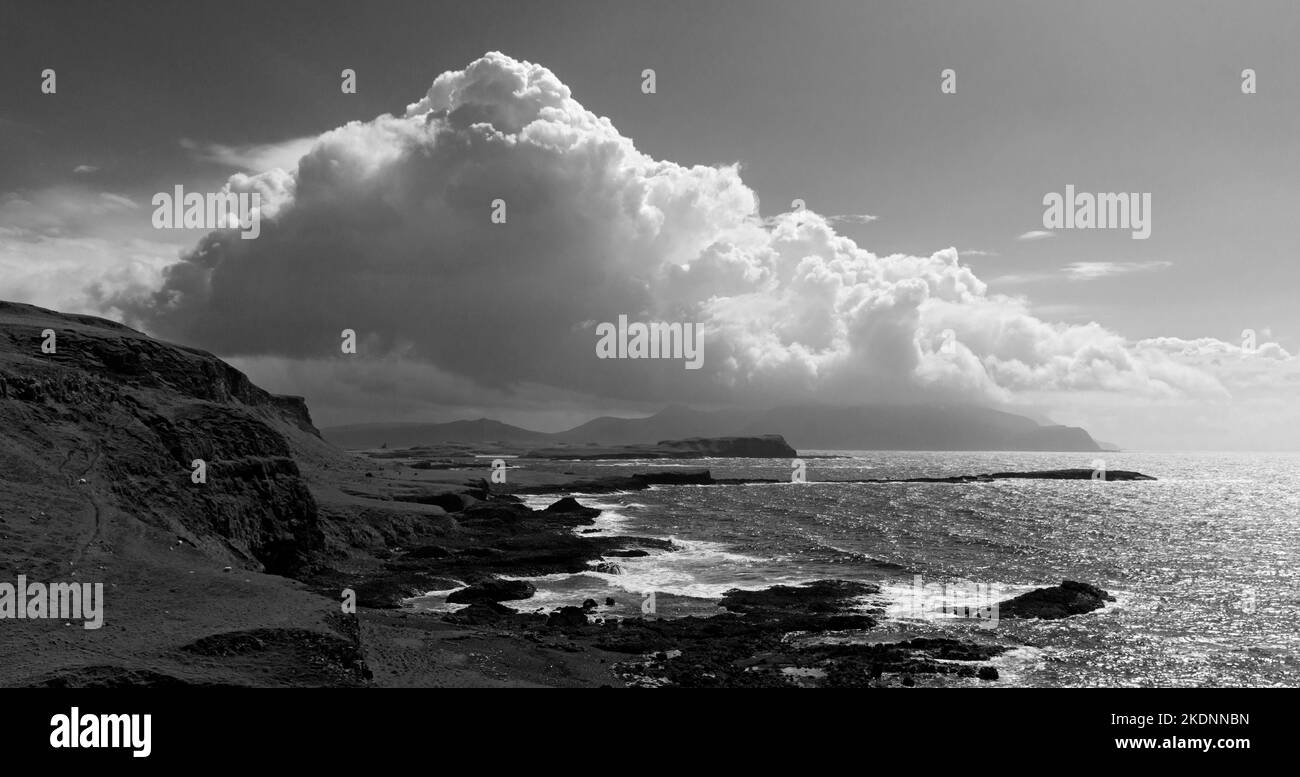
{"x":697,"y":478}
{"x":1073,"y":474}
{"x":389,"y":592}
{"x":493,"y":591}
{"x":479,"y":488}
{"x":503,"y":514}
{"x":570,"y":505}
{"x":568,"y":617}
{"x":480,"y":613}
{"x":822,"y":596}
{"x":589,"y":604}
{"x":988,"y":673}
{"x":1068,"y":598}
{"x":436,"y":465}
{"x":428,"y":551}
{"x":476,"y":552}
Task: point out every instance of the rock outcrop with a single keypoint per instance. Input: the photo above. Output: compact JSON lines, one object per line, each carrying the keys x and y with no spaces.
{"x":493,"y":591}
{"x":1059,"y":601}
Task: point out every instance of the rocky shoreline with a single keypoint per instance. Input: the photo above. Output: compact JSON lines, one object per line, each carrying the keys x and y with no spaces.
{"x":239,"y":548}
{"x":777,"y":637}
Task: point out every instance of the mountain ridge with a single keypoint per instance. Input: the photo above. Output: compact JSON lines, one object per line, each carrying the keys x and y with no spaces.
{"x":877,"y":426}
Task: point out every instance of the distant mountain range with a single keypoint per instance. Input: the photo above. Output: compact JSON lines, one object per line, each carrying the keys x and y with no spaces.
{"x":806,"y":427}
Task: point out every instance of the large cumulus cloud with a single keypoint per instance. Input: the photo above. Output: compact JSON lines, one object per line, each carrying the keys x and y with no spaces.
{"x":385,"y":227}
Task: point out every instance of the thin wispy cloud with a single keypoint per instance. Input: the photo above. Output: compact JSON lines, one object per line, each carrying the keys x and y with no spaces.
{"x":251,"y":158}
{"x":852,"y":218}
{"x":1025,"y":277}
{"x":839,"y":219}
{"x":1036,"y":234}
{"x":64,"y":210}
{"x":1083,"y":271}
{"x":85,"y":169}
{"x":1091,"y":271}
{"x":118,"y":200}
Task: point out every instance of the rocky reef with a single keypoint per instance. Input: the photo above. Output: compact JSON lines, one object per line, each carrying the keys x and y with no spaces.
{"x":783,"y":636}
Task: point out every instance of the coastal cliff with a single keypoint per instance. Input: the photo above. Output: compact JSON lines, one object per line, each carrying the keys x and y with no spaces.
{"x":139,"y":413}
{"x":100,"y":430}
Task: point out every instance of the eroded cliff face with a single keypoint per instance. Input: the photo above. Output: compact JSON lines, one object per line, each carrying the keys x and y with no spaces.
{"x":117,"y":416}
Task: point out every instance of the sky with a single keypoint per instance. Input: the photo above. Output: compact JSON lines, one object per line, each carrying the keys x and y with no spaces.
{"x":923,"y":221}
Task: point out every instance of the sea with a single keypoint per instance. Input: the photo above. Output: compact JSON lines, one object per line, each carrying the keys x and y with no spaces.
{"x":1202,"y":561}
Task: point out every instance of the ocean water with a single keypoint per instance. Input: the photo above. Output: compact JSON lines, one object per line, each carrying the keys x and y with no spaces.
{"x":1202,"y":561}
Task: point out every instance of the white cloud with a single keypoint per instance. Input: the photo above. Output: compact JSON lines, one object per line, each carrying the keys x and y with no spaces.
{"x":78,"y":274}
{"x":1036,"y":234}
{"x":60,"y":210}
{"x":76,"y":249}
{"x":384,"y":226}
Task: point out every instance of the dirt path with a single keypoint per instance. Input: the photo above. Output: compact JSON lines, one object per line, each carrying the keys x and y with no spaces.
{"x":89,"y":488}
